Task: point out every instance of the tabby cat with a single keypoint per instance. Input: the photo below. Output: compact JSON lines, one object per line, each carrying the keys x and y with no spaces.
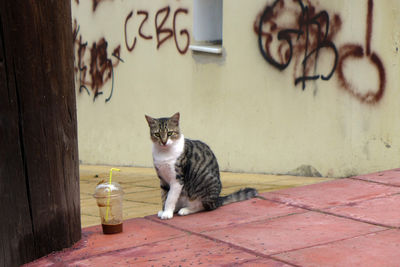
{"x":188,"y":171}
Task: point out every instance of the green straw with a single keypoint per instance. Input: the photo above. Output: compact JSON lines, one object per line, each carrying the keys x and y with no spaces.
{"x":109,"y":192}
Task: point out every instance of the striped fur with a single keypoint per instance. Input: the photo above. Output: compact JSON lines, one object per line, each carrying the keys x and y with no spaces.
{"x":189,"y":174}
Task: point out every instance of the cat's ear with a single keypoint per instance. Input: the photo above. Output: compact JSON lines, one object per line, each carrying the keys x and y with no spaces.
{"x":150,"y":120}
{"x":175,"y":118}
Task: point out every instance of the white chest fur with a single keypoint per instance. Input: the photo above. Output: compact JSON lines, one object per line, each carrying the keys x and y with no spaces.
{"x":164,"y":158}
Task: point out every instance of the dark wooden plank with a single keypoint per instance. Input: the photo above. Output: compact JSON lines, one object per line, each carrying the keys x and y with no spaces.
{"x":16,"y":236}
{"x":39,"y":169}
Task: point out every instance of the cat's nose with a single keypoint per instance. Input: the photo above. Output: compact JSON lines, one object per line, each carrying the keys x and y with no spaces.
{"x":164,"y":140}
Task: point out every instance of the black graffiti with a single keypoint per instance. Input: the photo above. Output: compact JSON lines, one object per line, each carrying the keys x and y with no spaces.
{"x":311,"y":33}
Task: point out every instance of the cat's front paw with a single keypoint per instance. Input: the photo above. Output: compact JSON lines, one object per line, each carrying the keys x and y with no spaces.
{"x":165,"y":215}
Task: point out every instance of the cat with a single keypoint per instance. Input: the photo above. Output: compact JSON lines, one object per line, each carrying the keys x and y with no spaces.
{"x":188,"y":171}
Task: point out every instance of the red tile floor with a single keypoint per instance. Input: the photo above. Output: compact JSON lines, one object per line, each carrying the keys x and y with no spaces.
{"x":345,"y":222}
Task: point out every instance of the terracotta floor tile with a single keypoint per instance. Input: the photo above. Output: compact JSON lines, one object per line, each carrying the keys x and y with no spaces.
{"x":332,"y":193}
{"x":292,"y":232}
{"x":373,"y":250}
{"x":391,"y":177}
{"x":262,"y":263}
{"x":385,"y":210}
{"x":136,"y":232}
{"x":189,"y":250}
{"x":233,"y":214}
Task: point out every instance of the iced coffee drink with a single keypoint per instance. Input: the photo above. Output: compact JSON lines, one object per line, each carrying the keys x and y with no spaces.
{"x":109,"y":201}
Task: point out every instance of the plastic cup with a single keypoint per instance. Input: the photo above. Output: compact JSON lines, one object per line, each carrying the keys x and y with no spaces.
{"x":109,"y":200}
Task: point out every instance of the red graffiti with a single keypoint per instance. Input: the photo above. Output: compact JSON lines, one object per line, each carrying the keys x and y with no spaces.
{"x":146,"y":16}
{"x":354,"y":51}
{"x":100,"y":67}
{"x":129,"y":47}
{"x":96,"y":68}
{"x":163,"y":32}
{"x":96,"y":3}
{"x":182,"y":32}
{"x":160,"y":30}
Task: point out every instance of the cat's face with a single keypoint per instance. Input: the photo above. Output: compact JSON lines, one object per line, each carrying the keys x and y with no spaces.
{"x":164,"y":131}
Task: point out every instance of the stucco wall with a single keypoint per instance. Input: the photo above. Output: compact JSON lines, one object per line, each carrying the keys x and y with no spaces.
{"x":244,"y":105}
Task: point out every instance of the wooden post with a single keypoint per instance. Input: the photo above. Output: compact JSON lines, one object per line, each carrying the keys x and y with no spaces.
{"x":39,"y":166}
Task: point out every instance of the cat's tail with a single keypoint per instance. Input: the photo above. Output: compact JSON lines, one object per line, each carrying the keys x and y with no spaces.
{"x":242,"y":194}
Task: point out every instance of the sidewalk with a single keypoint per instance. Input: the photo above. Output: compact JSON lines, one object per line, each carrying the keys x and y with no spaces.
{"x":343,"y":222}
{"x":142,"y":188}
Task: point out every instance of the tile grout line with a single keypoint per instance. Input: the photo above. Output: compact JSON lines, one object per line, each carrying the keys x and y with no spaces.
{"x":273,"y":256}
{"x":70,"y":261}
{"x":79,"y":258}
{"x":304,"y":208}
{"x":337,"y":215}
{"x":388,"y":227}
{"x":249,"y":251}
{"x":330,"y":242}
{"x":252,"y":252}
{"x":366,"y":180}
{"x":258,"y":221}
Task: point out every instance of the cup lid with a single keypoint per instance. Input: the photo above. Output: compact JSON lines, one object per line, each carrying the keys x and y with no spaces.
{"x":106,"y":190}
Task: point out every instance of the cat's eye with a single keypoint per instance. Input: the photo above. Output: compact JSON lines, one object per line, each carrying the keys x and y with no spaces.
{"x":170,"y":133}
{"x":157,"y":134}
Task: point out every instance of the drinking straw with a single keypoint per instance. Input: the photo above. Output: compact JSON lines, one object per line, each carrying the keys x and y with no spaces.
{"x":109,"y":192}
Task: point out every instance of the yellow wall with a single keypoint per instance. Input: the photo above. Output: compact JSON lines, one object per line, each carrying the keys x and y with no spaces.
{"x":249,"y":112}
